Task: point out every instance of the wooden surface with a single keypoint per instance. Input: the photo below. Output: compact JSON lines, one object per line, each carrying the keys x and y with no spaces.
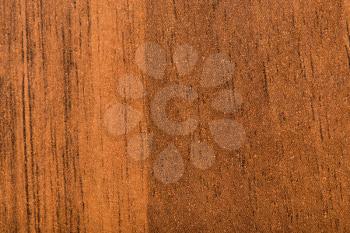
{"x":63,"y":171}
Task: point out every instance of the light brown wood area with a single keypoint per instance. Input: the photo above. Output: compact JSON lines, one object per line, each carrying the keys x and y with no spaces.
{"x":70,"y":156}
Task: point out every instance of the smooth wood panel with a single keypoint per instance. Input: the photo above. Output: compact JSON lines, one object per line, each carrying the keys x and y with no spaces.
{"x":292,"y":68}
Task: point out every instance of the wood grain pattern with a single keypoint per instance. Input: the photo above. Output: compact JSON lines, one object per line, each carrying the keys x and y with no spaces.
{"x":61,"y":171}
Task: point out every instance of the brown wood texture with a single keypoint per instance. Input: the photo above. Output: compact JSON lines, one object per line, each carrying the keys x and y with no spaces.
{"x":63,"y":171}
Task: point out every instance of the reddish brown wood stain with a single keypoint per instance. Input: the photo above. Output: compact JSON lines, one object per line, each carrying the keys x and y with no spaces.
{"x":61,"y":171}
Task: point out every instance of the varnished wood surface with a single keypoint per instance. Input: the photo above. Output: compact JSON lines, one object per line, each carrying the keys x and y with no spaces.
{"x":62,"y":171}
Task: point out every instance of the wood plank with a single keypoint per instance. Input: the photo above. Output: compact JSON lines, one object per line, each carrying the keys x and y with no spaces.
{"x":95,"y":93}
